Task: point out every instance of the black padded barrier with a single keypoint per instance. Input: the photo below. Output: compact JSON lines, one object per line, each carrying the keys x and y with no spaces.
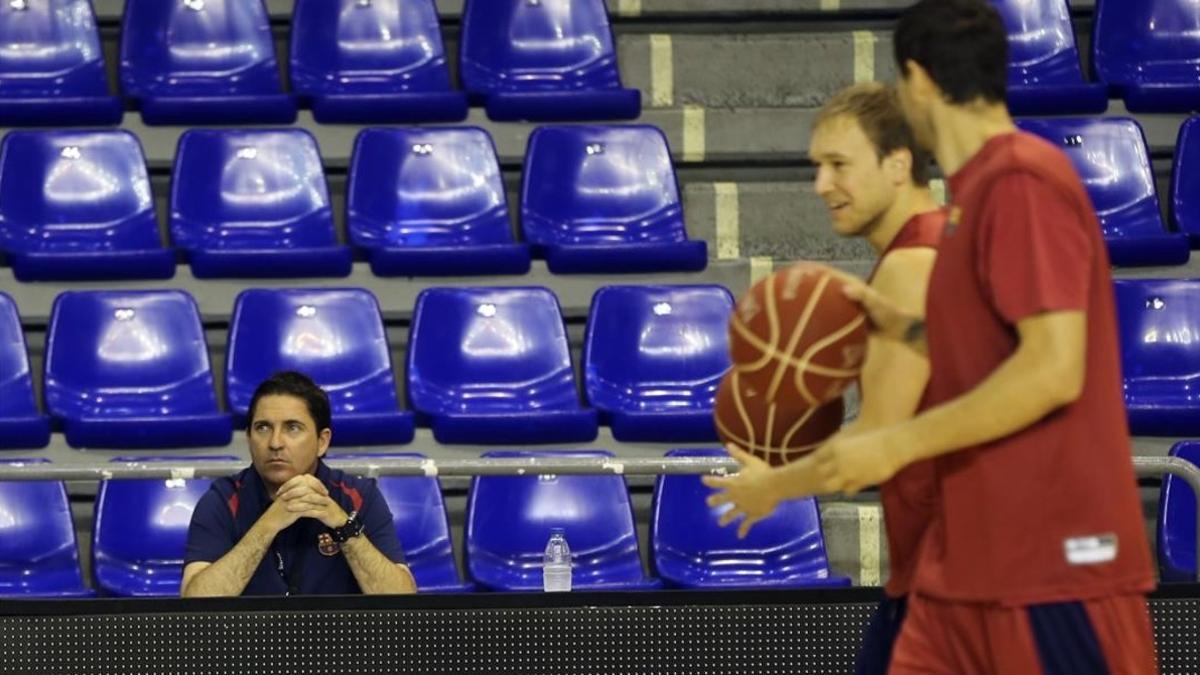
{"x":664,"y":633}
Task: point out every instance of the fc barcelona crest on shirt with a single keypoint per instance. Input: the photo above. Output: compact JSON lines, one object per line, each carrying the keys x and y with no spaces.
{"x":953,"y":220}
{"x":326,"y":545}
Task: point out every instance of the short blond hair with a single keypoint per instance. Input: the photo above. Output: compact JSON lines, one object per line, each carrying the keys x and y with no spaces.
{"x":876,"y":108}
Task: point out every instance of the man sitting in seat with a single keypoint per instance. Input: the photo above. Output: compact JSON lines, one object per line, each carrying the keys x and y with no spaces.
{"x":289,"y":524}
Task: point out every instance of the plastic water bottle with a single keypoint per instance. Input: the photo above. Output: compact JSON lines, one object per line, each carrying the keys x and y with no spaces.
{"x":556,"y":563}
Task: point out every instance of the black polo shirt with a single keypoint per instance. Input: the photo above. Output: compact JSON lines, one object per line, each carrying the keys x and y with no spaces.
{"x":298,"y":562}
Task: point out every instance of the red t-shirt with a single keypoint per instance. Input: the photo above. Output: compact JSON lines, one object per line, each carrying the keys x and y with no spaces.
{"x":908,"y":498}
{"x":1050,"y":513}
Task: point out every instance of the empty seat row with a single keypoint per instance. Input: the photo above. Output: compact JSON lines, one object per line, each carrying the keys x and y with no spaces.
{"x":130,"y":369}
{"x":359,"y":61}
{"x":489,"y":366}
{"x":77,"y":205}
{"x":1144,"y":51}
{"x":1113,"y":161}
{"x":140,"y":532}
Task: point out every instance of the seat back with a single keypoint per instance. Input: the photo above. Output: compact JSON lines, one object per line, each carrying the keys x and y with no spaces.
{"x":141,"y":526}
{"x":425,"y":186}
{"x":1177,"y":520}
{"x":16,"y":378}
{"x":1147,"y":41}
{"x":50,"y":49}
{"x":509,"y":519}
{"x":600,"y":184}
{"x":489,"y":350}
{"x":355,"y":47}
{"x":127,"y":354}
{"x":1041,"y":42}
{"x":197,"y":48}
{"x":335,"y":336}
{"x":38,"y":552}
{"x":1185,"y":180}
{"x":550,"y":45}
{"x":691,"y":549}
{"x":1159,"y":324}
{"x":250,"y":190}
{"x":656,"y":347}
{"x":75,"y":191}
{"x":1111,"y":157}
{"x":419,"y":514}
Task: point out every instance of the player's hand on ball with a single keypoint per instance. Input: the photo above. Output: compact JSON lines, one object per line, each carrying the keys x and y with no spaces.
{"x":747,"y":493}
{"x":851,"y":463}
{"x":886,"y":317}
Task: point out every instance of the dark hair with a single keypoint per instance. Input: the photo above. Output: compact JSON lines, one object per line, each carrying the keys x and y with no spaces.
{"x":960,"y":43}
{"x":876,"y":108}
{"x":297,"y":385}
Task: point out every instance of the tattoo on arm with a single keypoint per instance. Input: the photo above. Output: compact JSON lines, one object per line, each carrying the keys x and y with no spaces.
{"x":915,"y":332}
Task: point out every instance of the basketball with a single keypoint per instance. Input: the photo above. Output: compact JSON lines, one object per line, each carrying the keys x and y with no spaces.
{"x":796,"y":339}
{"x":777,"y":434}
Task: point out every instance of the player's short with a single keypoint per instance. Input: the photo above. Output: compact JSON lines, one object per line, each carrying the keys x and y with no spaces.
{"x":1109,"y":635}
{"x":876,"y":651}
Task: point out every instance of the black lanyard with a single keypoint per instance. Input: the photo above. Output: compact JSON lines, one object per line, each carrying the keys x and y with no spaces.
{"x":292,"y":583}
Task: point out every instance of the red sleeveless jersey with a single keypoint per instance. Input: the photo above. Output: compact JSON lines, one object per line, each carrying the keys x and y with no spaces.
{"x":908,"y":498}
{"x":1050,"y":513}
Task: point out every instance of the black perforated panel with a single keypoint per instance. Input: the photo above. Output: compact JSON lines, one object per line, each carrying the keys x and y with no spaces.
{"x":681,"y":636}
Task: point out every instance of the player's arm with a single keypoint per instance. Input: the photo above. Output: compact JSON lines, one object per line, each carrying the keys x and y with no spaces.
{"x":894,"y":376}
{"x":1036,"y":268}
{"x":229,"y":574}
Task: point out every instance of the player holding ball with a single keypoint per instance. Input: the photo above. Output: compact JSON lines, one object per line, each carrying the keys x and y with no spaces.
{"x":1034,"y":560}
{"x":875,"y":182}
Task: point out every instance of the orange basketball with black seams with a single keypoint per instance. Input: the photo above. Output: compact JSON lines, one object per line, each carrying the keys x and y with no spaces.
{"x":796,"y":338}
{"x":779,"y":435}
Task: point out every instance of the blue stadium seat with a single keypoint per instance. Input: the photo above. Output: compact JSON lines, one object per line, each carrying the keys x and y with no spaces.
{"x":509,"y":519}
{"x":21,"y":426}
{"x":1177,"y":521}
{"x":431,"y":202}
{"x":372,"y":62}
{"x":1148,"y":51}
{"x":493,"y":366}
{"x":421,"y":525}
{"x":601,"y":199}
{"x":1112,"y":160}
{"x":52,"y":73}
{"x":1185,"y":181}
{"x":691,"y":550}
{"x":336,"y":337}
{"x":1044,"y":76}
{"x":543,"y":61}
{"x":140,"y":534}
{"x":254,"y":204}
{"x":130,"y":369}
{"x":38,"y":553}
{"x":653,"y":357}
{"x":76,"y":205}
{"x":202,"y":62}
{"x":1160,"y":322}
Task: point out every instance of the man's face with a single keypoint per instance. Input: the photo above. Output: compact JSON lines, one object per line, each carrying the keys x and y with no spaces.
{"x":851,"y":179}
{"x":284,"y":439}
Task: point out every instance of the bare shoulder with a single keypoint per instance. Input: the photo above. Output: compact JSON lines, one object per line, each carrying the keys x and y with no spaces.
{"x":903,"y":276}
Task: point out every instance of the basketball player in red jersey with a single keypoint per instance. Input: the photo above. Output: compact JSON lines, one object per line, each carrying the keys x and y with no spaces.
{"x":876,"y":185}
{"x":1035,"y":560}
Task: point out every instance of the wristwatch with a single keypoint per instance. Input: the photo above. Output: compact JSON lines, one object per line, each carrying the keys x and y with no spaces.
{"x":353,"y":528}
